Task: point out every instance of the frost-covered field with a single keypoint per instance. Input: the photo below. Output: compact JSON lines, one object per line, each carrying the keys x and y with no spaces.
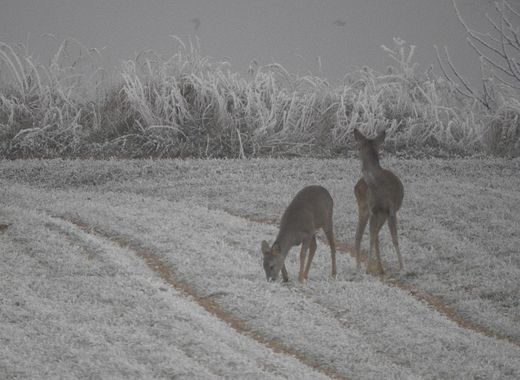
{"x":152,"y":269}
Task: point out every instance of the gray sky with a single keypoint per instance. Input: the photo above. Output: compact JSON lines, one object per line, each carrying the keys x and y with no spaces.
{"x":294,"y":33}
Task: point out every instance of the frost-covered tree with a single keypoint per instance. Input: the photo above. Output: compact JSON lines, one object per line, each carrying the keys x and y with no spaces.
{"x":498,"y":49}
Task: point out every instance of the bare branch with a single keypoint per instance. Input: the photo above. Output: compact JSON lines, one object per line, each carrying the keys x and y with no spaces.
{"x":517,"y":14}
{"x":470,"y":92}
{"x":499,"y":52}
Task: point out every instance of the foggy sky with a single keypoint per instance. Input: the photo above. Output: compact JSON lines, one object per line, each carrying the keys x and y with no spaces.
{"x":325,"y":37}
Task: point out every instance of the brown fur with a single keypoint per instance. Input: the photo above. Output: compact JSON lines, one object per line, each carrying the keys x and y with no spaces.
{"x":379,"y":195}
{"x":310,"y":210}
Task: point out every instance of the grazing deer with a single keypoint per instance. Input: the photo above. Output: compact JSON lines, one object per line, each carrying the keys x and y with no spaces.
{"x":310,"y":210}
{"x":379,"y":195}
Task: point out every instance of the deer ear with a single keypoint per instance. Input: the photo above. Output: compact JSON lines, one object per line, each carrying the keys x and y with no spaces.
{"x":266,"y":250}
{"x":358,"y":135}
{"x":381,"y":138}
{"x":276,"y":249}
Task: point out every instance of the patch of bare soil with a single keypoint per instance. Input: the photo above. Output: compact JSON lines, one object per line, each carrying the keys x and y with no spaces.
{"x":210,"y":305}
{"x":435,"y":302}
{"x":158,"y":267}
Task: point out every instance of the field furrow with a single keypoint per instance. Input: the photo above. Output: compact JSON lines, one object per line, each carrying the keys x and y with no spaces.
{"x":78,"y":305}
{"x":102,"y":260}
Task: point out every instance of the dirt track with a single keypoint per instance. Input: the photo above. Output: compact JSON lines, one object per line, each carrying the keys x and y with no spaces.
{"x":166,"y":274}
{"x":157,"y":265}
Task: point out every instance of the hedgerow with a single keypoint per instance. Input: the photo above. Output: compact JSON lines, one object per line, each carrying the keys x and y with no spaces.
{"x":189,"y":106}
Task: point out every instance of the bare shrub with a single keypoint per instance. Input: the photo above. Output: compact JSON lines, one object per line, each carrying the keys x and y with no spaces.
{"x":499,"y":52}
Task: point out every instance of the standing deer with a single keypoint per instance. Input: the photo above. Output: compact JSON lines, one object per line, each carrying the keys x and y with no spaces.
{"x":310,"y":210}
{"x":379,"y":195}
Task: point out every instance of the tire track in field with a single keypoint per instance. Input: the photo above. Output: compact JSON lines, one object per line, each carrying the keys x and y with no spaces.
{"x":157,"y":265}
{"x":435,"y":302}
{"x":167,"y":275}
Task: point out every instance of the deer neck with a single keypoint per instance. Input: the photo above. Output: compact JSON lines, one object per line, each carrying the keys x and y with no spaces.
{"x":370,"y":168}
{"x":285,"y":240}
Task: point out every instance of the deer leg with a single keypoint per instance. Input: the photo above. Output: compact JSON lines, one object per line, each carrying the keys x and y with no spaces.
{"x":330,"y":237}
{"x":362,"y":223}
{"x":284,"y":273}
{"x":305,"y":246}
{"x":392,"y":225}
{"x":360,"y":191}
{"x":376,"y":222}
{"x":378,"y":256}
{"x":312,"y":251}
